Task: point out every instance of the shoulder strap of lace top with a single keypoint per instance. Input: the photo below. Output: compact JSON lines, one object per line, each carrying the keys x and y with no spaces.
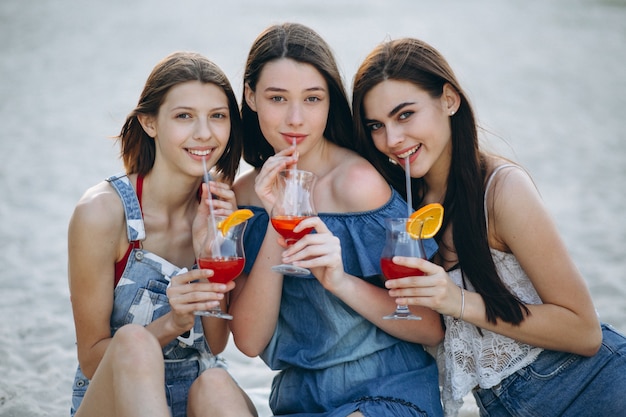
{"x":489,"y":181}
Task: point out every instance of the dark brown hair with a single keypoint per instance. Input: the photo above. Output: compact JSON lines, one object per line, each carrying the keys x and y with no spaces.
{"x":138,"y":149}
{"x":304,"y":45}
{"x":419,"y":63}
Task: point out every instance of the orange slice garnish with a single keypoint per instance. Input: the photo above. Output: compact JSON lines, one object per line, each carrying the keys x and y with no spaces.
{"x":432,"y":217}
{"x":236,"y":217}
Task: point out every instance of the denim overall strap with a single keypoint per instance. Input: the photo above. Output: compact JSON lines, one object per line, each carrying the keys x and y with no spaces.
{"x":132,"y":210}
{"x":140,"y":297}
{"x":136,"y":231}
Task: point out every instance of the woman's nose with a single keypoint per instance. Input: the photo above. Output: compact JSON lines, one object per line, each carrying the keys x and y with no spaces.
{"x":395,"y":135}
{"x":202,"y":130}
{"x":295,"y":115}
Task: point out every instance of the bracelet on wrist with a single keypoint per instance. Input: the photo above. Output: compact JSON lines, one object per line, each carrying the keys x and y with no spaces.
{"x":462,"y":304}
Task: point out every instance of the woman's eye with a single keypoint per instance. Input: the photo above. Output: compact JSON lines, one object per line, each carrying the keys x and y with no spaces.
{"x":405,"y":115}
{"x":313,"y":99}
{"x":374,"y":126}
{"x":183,"y":116}
{"x":277,"y":99}
{"x":219,"y":116}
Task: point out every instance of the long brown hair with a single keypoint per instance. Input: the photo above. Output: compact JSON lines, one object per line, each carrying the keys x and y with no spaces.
{"x":419,"y":63}
{"x":138,"y":149}
{"x":304,"y":45}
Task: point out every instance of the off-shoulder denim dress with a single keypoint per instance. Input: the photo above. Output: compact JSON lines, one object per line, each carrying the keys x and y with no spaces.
{"x":333,"y":361}
{"x":140,"y":298}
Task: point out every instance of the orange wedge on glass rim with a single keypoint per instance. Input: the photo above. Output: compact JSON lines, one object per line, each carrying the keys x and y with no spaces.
{"x":236,"y":217}
{"x":432,"y":217}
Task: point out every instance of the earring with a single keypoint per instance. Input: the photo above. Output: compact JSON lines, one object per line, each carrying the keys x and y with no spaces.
{"x":452,"y":112}
{"x":393,"y":161}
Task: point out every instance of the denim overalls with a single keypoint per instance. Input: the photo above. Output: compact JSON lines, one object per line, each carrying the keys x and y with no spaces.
{"x":140,"y":298}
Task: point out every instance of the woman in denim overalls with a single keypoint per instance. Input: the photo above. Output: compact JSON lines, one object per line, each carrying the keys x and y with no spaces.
{"x":134,"y":290}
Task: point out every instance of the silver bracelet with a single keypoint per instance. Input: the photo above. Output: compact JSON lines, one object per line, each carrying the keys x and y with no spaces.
{"x":462,"y":304}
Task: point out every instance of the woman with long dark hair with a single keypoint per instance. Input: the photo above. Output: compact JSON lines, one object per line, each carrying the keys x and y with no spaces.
{"x":521,"y":329}
{"x":324,"y":332}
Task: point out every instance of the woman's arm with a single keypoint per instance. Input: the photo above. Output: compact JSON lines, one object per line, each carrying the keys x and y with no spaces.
{"x":321,"y":252}
{"x":566,"y":320}
{"x":255,"y":302}
{"x":358,"y":187}
{"x":96,"y":240}
{"x":93,"y":247}
{"x":520,"y":224}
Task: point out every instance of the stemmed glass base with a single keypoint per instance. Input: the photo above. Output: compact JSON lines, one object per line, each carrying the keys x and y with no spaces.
{"x":214,"y":312}
{"x":402,"y":313}
{"x":287,"y":269}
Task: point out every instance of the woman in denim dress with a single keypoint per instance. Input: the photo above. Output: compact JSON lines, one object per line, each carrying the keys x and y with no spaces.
{"x":141,"y":349}
{"x":324,"y":332}
{"x":522,"y":333}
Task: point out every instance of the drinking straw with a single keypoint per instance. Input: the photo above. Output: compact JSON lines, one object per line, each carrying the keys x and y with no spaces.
{"x":293,"y":141}
{"x":407,"y":175}
{"x":213,"y":223}
{"x":291,"y":187}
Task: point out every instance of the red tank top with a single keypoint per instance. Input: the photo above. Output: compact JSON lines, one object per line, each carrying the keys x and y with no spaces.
{"x":135,"y":244}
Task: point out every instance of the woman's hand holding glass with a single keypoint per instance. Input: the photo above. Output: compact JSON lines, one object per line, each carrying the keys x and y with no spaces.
{"x":222,"y":252}
{"x":319,"y":252}
{"x":294,"y":203}
{"x":400,"y":242}
{"x":265,"y":182}
{"x":287,"y":195}
{"x":435,"y":289}
{"x":191,"y":291}
{"x":219,"y":252}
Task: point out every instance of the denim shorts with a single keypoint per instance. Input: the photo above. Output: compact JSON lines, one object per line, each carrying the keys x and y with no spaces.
{"x":179,"y":376}
{"x":564,"y":384}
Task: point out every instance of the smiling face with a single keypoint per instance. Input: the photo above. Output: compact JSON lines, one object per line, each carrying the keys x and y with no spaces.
{"x":193,"y":123}
{"x":292,"y":103}
{"x":407,"y":122}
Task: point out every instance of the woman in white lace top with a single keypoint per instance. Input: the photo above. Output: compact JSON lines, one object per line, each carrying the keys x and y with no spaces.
{"x":521,"y":329}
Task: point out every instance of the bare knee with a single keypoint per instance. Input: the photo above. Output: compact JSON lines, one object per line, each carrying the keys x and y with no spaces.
{"x":213,"y":379}
{"x":135,"y":347}
{"x":217,"y":391}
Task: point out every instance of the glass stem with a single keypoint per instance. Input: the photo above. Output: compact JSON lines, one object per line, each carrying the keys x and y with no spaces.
{"x":403,"y":309}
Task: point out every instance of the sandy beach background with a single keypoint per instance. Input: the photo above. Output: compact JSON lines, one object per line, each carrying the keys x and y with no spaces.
{"x":547,"y":79}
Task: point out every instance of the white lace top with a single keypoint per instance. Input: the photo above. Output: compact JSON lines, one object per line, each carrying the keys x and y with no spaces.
{"x":465,"y":358}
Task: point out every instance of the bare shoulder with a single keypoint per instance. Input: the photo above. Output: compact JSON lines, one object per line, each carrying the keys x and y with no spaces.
{"x":511,"y":182}
{"x":358,"y":186}
{"x":244,"y":189}
{"x":99,"y":210}
{"x":514,"y":206}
